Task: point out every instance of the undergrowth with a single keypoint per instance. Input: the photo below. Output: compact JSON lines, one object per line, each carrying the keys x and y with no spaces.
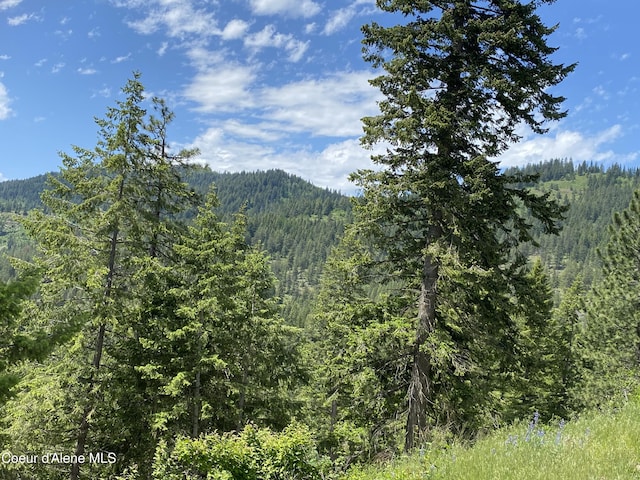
{"x":598,"y":445}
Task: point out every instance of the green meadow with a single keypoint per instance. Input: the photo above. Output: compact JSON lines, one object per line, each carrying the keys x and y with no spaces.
{"x":596,"y":446}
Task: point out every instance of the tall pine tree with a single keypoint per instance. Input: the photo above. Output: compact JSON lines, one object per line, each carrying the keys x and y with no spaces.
{"x":458,"y":78}
{"x":610,"y":338}
{"x":109,"y":215}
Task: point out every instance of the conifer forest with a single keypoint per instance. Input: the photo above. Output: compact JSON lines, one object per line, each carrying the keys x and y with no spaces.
{"x":159,"y":320}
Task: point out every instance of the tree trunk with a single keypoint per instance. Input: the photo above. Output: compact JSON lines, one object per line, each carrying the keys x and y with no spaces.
{"x":83,"y":430}
{"x":197,"y":388}
{"x":197,"y":405}
{"x":420,"y":394}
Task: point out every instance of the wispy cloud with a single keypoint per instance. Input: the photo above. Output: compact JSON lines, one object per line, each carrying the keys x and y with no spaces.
{"x":104,"y":92}
{"x":275,"y":127}
{"x":5,"y":109}
{"x":6,"y":4}
{"x":328,"y":106}
{"x":57,"y":67}
{"x":601,"y":92}
{"x":568,"y":144}
{"x":269,"y":37}
{"x":87,"y":71}
{"x":21,"y":19}
{"x":288,"y":8}
{"x":339,"y":19}
{"x":163,"y":49}
{"x":178,"y":17}
{"x":122,"y":58}
{"x":223,"y":88}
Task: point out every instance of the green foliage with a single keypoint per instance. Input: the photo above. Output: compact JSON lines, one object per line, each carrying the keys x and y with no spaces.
{"x":17,"y":344}
{"x":252,"y":454}
{"x":442,"y":219}
{"x":593,"y":194}
{"x":538,"y":376}
{"x":172,"y":329}
{"x":215,"y":348}
{"x":294,"y":221}
{"x":610,"y":338}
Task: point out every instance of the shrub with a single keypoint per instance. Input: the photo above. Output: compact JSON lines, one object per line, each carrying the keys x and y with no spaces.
{"x":253,"y":454}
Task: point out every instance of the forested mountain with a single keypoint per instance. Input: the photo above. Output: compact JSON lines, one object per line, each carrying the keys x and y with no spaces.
{"x":294,"y":221}
{"x":298,"y":223}
{"x":592,"y":193}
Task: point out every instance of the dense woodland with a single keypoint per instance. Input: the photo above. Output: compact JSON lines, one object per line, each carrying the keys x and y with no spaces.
{"x":297,"y":224}
{"x":162,"y":321}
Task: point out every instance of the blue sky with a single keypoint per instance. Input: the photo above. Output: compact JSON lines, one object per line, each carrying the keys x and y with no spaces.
{"x":260,"y":84}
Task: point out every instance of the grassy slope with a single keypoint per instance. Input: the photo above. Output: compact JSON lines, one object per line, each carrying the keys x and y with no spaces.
{"x":595,"y":446}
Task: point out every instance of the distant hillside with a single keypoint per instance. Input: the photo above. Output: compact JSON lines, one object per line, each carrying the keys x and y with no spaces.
{"x":295,"y":221}
{"x":298,"y":223}
{"x":593,"y":193}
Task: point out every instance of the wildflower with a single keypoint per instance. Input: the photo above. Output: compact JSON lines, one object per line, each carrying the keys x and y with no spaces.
{"x":559,"y":432}
{"x":532,"y":425}
{"x":512,"y":440}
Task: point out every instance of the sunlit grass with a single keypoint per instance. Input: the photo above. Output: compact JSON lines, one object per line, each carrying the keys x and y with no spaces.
{"x":596,"y":446}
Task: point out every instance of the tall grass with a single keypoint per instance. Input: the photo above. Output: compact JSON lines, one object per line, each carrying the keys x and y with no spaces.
{"x":598,"y":445}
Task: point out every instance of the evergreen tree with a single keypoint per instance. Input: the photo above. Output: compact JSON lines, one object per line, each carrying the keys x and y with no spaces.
{"x":217,"y":351}
{"x":569,"y":318}
{"x":459,"y":76}
{"x":360,"y":353}
{"x":540,"y":375}
{"x":17,"y":344}
{"x":108,"y":214}
{"x":610,"y":341}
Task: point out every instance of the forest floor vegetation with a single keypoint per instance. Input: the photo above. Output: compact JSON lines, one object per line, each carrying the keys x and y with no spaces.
{"x":603,"y":444}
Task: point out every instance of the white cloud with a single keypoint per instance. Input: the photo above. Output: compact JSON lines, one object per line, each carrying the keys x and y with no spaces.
{"x":122,"y":58}
{"x":163,"y":49}
{"x":600,"y":91}
{"x":329,"y":167}
{"x":580,"y":33}
{"x":567,"y":144}
{"x":221,"y":88}
{"x":203,"y":59}
{"x":268,"y":37}
{"x":20,"y":19}
{"x":331,"y":106}
{"x":234,"y":29}
{"x":262,"y":131}
{"x":5,"y":109}
{"x":57,"y":67}
{"x":178,"y":17}
{"x":104,"y":92}
{"x":289,"y":8}
{"x":339,"y":19}
{"x":87,"y":71}
{"x":274,"y":127}
{"x":6,"y":4}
